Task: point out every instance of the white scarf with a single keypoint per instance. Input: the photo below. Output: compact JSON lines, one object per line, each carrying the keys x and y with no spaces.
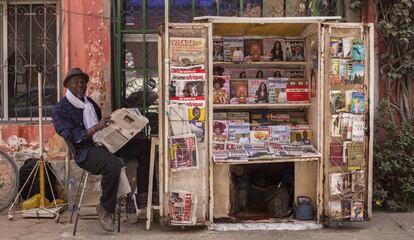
{"x":89,"y":114}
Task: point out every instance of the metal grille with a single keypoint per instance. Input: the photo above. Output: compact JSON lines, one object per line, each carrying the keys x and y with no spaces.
{"x":29,"y":30}
{"x":137,"y":24}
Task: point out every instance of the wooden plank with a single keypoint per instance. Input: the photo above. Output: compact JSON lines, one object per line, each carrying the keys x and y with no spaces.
{"x":221,"y":191}
{"x":371,"y":81}
{"x":263,"y":106}
{"x":270,"y":160}
{"x":306,"y":174}
{"x":261,"y":64}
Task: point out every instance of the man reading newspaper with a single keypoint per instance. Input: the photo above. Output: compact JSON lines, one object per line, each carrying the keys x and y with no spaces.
{"x":78,"y":119}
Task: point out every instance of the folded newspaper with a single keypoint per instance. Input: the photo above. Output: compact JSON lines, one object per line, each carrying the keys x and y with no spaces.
{"x":125,"y":124}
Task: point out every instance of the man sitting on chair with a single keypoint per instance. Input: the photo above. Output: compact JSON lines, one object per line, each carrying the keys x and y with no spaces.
{"x":77,"y":118}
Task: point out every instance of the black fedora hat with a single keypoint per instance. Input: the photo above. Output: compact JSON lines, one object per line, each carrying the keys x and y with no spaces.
{"x":73,"y":73}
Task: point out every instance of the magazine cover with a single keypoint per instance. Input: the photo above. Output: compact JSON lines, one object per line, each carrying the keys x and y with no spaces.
{"x":346,"y":125}
{"x":336,"y":47}
{"x":239,"y":132}
{"x":259,"y":118}
{"x":235,"y":73}
{"x":357,"y":102}
{"x":334,"y":75}
{"x":346,"y":208}
{"x":345,"y":68}
{"x":358,"y":50}
{"x":277,"y":90}
{"x":255,"y":73}
{"x":295,"y":74}
{"x":186,"y":89}
{"x":358,"y":126}
{"x":357,"y":74}
{"x":258,"y":91}
{"x":220,"y":131}
{"x":347,"y":47}
{"x":280,"y":134}
{"x":220,"y":156}
{"x":348,"y":100}
{"x":190,"y":73}
{"x":276,"y":149}
{"x":293,"y":150}
{"x":178,"y":119}
{"x":357,"y":211}
{"x":233,"y":146}
{"x":182,"y":208}
{"x":238,"y":116}
{"x":337,"y":183}
{"x":233,"y":48}
{"x":274,"y":49}
{"x":337,"y":101}
{"x":256,"y":149}
{"x":183,"y":152}
{"x":221,"y":89}
{"x":297,"y":91}
{"x":295,"y":50}
{"x":219,"y":146}
{"x":358,"y":181}
{"x":354,"y":153}
{"x":273,"y":72}
{"x":219,"y":115}
{"x":336,"y":154}
{"x":253,"y":50}
{"x":187,"y":51}
{"x":310,"y":151}
{"x":195,"y":115}
{"x":336,"y":125}
{"x":218,"y":55}
{"x":300,"y":135}
{"x":259,"y":134}
{"x":239,"y":91}
{"x":279,"y":118}
{"x":335,"y":210}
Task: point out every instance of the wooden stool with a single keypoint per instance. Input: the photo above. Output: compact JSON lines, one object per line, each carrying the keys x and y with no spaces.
{"x":150,"y":207}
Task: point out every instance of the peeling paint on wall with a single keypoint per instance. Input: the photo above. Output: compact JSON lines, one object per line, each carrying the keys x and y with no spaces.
{"x":22,"y":141}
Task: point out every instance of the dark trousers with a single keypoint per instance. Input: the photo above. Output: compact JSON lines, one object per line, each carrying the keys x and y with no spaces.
{"x":101,"y":162}
{"x":138,"y":148}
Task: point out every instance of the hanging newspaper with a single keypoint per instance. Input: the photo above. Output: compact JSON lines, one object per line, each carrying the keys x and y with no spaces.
{"x":182,"y":152}
{"x":182,"y":208}
{"x":190,"y":73}
{"x":195,"y":114}
{"x":187,"y":51}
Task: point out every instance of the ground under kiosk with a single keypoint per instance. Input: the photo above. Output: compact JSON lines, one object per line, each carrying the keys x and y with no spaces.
{"x":259,"y":112}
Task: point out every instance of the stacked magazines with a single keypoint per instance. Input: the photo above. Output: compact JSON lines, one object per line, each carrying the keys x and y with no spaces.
{"x":255,"y":151}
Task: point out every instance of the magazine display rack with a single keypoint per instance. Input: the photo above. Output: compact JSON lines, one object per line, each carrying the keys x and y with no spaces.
{"x":240,"y":94}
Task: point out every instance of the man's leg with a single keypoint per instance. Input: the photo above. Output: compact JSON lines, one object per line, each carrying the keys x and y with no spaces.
{"x":102,"y":162}
{"x":140,"y":149}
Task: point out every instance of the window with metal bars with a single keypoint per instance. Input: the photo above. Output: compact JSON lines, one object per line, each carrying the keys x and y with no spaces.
{"x":28,"y":46}
{"x":136,"y":72}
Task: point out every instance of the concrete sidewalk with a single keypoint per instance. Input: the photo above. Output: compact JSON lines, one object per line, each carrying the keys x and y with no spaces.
{"x":387,"y":226}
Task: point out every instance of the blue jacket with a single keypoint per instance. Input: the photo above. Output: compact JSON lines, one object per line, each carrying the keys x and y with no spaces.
{"x":68,"y":123}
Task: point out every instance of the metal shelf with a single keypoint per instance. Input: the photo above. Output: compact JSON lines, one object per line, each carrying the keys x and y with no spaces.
{"x":278,"y":63}
{"x":269,"y":159}
{"x":263,"y":106}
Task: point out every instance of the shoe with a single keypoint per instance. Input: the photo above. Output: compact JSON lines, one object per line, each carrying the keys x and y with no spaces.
{"x":105,"y":218}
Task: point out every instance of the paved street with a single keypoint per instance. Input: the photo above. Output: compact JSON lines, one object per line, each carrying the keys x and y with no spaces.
{"x":387,"y":226}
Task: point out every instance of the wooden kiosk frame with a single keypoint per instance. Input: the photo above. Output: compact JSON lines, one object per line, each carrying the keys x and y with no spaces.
{"x":211,"y":180}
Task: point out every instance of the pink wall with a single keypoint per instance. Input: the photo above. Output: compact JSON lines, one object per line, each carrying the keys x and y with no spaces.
{"x":85,"y":42}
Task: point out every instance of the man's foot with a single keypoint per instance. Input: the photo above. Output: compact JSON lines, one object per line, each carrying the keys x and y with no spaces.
{"x":105,"y":218}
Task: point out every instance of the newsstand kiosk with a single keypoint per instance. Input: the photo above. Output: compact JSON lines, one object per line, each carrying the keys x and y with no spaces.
{"x":266,"y":120}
